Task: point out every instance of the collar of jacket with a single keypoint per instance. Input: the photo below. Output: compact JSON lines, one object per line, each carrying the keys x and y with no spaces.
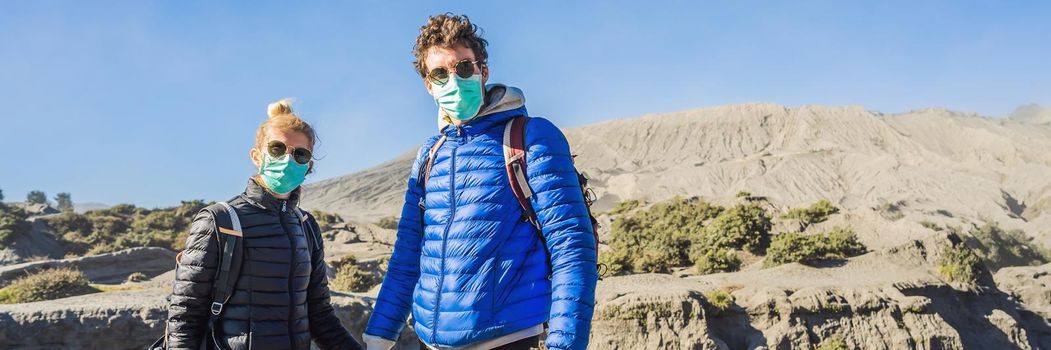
{"x":259,"y":196}
{"x":502,"y":104}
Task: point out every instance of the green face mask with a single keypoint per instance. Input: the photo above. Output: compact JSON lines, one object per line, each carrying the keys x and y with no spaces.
{"x":460,"y":98}
{"x":282,"y":175}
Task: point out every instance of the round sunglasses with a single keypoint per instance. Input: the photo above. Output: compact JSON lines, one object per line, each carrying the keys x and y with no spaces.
{"x":278,"y":149}
{"x":464,"y":69}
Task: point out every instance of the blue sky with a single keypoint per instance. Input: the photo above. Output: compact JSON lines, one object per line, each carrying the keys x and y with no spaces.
{"x":152,"y":102}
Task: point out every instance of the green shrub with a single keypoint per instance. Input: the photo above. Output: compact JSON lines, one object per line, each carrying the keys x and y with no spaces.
{"x":719,"y":299}
{"x":959,"y":264}
{"x":657,"y":238}
{"x":325,"y":220}
{"x":815,"y":213}
{"x":839,"y":243}
{"x":124,"y":226}
{"x":930,"y":225}
{"x":833,"y":344}
{"x":390,"y":223}
{"x":743,"y":194}
{"x":890,"y":210}
{"x":136,"y":277}
{"x":46,"y":285}
{"x":744,"y":226}
{"x":999,"y":248}
{"x":12,"y":224}
{"x":717,"y":260}
{"x":351,"y":277}
{"x":625,"y":207}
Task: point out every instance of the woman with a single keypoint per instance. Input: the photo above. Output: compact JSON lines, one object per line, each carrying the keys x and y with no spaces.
{"x":280,"y":297}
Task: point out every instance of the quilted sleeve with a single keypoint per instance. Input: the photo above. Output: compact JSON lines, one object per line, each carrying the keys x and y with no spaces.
{"x":394,"y":301}
{"x":563,"y":216}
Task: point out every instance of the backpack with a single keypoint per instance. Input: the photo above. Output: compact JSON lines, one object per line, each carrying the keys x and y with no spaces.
{"x":515,"y":164}
{"x":231,"y":245}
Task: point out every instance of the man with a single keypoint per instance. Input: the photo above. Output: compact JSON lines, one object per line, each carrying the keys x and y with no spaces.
{"x":473,"y":268}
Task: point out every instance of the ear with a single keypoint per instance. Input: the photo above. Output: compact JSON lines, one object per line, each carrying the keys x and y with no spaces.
{"x":485,"y":73}
{"x":256,"y":157}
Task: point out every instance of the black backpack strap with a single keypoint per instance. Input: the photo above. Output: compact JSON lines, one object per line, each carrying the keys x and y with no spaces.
{"x":313,"y":238}
{"x":228,"y":234}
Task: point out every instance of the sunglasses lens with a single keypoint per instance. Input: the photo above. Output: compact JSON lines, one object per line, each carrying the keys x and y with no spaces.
{"x":301,"y":155}
{"x":276,"y":149}
{"x":465,"y":69}
{"x":439,"y":75}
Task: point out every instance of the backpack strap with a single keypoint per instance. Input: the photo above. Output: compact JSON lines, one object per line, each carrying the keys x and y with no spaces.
{"x":430,"y":160}
{"x":228,"y":233}
{"x":312,"y":237}
{"x":515,"y":164}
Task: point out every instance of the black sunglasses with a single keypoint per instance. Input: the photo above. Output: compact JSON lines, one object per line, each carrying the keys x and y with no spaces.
{"x":278,"y":149}
{"x":464,"y":69}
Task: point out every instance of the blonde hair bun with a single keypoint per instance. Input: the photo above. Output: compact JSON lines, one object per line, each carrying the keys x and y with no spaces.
{"x":281,"y":107}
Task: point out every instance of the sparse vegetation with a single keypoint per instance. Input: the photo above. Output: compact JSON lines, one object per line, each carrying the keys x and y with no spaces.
{"x":930,"y":225}
{"x":625,"y":207}
{"x":64,"y":201}
{"x":46,"y":285}
{"x":390,"y":223}
{"x":325,"y":220}
{"x":136,"y":277}
{"x":36,"y":197}
{"x":717,"y":260}
{"x":959,"y":264}
{"x":1000,"y":248}
{"x":833,"y":344}
{"x":124,"y":226}
{"x":838,"y":243}
{"x":12,"y":224}
{"x":657,"y":238}
{"x":719,"y":299}
{"x":352,"y":277}
{"x":743,"y":194}
{"x":815,"y":213}
{"x":743,"y":226}
{"x":890,"y":211}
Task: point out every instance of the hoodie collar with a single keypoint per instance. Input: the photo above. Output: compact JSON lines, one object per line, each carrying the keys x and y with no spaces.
{"x":259,"y":196}
{"x":502,"y":102}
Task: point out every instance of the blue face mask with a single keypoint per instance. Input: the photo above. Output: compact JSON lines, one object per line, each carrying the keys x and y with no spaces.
{"x":460,"y":98}
{"x":282,"y":175}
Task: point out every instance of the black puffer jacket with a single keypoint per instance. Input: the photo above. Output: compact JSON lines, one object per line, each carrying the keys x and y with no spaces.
{"x":282,"y":298}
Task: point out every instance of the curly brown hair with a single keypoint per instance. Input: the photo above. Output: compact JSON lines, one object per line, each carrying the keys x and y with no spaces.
{"x":448,"y":30}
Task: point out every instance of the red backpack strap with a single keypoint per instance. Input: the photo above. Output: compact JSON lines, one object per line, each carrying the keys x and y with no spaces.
{"x":430,"y":159}
{"x":515,"y":163}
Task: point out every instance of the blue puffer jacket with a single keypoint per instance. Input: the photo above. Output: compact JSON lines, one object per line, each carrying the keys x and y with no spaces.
{"x":477,"y":270}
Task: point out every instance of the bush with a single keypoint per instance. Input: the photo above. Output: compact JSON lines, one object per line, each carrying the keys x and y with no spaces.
{"x":839,"y":243}
{"x":744,"y":226}
{"x":815,"y":213}
{"x":657,"y":238}
{"x":46,"y":285}
{"x":890,"y":211}
{"x":625,"y":207}
{"x":125,"y":226}
{"x":717,"y":260}
{"x":136,"y":277}
{"x":719,"y":299}
{"x":390,"y":223}
{"x":351,"y":277}
{"x":959,"y":264}
{"x":325,"y":220}
{"x":12,"y":224}
{"x":999,"y":248}
{"x":833,"y":344}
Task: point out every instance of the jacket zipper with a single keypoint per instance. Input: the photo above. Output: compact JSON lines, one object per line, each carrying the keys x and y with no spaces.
{"x":445,"y":234}
{"x":291,"y":268}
